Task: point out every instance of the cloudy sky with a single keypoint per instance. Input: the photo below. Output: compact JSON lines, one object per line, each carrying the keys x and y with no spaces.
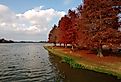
{"x":31,"y":19}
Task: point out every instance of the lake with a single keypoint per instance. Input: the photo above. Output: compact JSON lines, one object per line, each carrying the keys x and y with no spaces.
{"x":30,"y":62}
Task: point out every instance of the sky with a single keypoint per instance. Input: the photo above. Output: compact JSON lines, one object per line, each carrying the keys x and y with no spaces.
{"x":31,"y":20}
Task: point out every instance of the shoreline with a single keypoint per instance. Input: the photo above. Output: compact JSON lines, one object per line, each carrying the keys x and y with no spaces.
{"x":85,"y":63}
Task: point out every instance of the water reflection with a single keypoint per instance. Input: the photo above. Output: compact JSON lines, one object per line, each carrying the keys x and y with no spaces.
{"x":67,"y":74}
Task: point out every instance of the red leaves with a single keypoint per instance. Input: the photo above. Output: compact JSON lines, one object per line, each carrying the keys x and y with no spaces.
{"x":53,"y":34}
{"x":100,"y":19}
{"x":92,"y":25}
{"x":67,"y":28}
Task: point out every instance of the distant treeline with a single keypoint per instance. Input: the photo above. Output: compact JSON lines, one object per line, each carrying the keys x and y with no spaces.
{"x":11,"y":41}
{"x":31,"y":42}
{"x":6,"y":41}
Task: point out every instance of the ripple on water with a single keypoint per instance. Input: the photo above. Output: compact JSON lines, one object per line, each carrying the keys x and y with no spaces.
{"x":24,"y":75}
{"x":25,"y":63}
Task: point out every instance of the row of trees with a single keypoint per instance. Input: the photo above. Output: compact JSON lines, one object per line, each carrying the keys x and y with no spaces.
{"x":93,"y":25}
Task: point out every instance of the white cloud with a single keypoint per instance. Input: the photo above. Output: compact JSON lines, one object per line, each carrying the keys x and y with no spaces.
{"x":32,"y":24}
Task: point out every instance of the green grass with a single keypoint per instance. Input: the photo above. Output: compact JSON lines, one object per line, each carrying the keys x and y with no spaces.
{"x":71,"y":62}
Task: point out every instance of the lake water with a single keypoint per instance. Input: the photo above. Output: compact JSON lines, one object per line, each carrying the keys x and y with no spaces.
{"x":30,"y":62}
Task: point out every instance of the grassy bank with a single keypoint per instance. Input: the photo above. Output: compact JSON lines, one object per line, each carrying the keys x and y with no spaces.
{"x":111,"y":68}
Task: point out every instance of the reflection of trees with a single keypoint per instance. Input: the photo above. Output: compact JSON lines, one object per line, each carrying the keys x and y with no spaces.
{"x":56,"y":65}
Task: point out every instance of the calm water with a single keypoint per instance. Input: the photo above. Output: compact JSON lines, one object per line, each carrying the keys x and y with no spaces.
{"x":30,"y":62}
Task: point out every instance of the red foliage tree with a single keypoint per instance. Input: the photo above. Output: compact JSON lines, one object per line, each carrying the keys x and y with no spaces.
{"x":97,"y":20}
{"x":53,"y":35}
{"x":64,"y":25}
{"x":68,"y":28}
{"x":73,"y":28}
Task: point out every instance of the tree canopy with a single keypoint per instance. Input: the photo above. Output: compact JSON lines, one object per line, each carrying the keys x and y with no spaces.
{"x":91,"y":25}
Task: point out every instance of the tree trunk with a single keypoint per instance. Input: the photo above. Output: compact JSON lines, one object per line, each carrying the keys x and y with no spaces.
{"x":60,"y":44}
{"x":72,"y":47}
{"x":99,"y":52}
{"x":54,"y":43}
{"x":65,"y":45}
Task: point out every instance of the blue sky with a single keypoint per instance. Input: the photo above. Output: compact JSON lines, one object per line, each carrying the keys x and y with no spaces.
{"x":31,"y":19}
{"x":23,"y":5}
